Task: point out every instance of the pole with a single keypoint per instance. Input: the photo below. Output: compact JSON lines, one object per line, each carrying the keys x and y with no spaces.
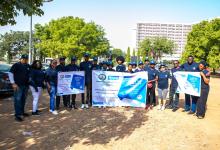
{"x":30,"y":41}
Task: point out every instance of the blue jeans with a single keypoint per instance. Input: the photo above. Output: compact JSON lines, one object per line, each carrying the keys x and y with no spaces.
{"x":52,"y":94}
{"x":19,"y":100}
{"x":188,"y":102}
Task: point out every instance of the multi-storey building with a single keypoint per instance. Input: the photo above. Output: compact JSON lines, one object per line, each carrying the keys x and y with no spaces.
{"x":176,"y":32}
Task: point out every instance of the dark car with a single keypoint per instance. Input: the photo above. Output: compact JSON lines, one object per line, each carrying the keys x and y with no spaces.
{"x":5,"y":85}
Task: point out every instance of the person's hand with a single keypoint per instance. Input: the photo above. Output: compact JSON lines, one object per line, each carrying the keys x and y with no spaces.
{"x":48,"y":88}
{"x":15,"y":87}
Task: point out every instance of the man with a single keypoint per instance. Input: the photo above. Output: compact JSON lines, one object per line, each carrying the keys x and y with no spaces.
{"x":110,"y":66}
{"x":152,"y":78}
{"x":146,"y":63}
{"x":72,"y":67}
{"x":19,"y":77}
{"x":86,"y":66}
{"x":61,"y":68}
{"x":190,"y":66}
{"x":95,"y":65}
{"x":134,"y":66}
{"x":140,"y":67}
{"x":173,"y":104}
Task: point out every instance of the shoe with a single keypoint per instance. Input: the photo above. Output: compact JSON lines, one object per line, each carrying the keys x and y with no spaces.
{"x":50,"y":110}
{"x":35,"y":113}
{"x":200,"y":117}
{"x":159,"y":107}
{"x":87,"y":106}
{"x":162,"y":108}
{"x":39,"y":111}
{"x":185,"y":110}
{"x":26,"y":115}
{"x":83,"y":106}
{"x":74,"y":107}
{"x":191,"y":113}
{"x":54,"y":112}
{"x":18,"y":119}
{"x":175,"y":109}
{"x":169,"y":107}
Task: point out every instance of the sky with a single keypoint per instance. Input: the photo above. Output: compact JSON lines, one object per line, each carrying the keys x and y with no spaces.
{"x":120,"y":17}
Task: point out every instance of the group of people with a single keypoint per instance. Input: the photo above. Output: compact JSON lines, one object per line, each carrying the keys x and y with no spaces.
{"x":24,"y":76}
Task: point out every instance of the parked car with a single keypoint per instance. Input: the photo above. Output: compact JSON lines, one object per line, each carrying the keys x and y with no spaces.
{"x":5,"y":85}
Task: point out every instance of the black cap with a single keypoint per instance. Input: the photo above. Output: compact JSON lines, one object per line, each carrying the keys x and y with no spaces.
{"x":95,"y":59}
{"x":24,"y":56}
{"x":140,"y":63}
{"x":73,"y":58}
{"x":62,"y":58}
{"x":204,"y":63}
{"x":110,"y":63}
{"x":86,"y":55}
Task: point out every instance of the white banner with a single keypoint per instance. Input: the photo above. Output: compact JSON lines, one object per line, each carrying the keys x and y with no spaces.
{"x":119,"y":88}
{"x":71,"y":82}
{"x":188,"y":82}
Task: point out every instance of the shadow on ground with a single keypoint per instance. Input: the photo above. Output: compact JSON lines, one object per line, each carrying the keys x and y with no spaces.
{"x":89,"y":127}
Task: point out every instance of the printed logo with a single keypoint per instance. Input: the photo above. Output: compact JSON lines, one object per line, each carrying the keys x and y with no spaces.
{"x":102,"y":77}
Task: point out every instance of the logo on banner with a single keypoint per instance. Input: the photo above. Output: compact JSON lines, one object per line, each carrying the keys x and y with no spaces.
{"x":102,"y":77}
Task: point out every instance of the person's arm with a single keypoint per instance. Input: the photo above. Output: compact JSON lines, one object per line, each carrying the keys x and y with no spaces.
{"x":205,"y":78}
{"x":11,"y":78}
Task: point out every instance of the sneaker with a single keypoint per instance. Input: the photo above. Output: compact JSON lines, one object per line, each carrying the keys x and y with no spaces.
{"x":54,"y":112}
{"x":185,"y":110}
{"x":87,"y":106}
{"x":200,"y":117}
{"x":35,"y":113}
{"x":50,"y":110}
{"x":18,"y":119}
{"x":175,"y":109}
{"x":169,"y":107}
{"x":159,"y":107}
{"x":83,"y":106}
{"x":163,"y":108}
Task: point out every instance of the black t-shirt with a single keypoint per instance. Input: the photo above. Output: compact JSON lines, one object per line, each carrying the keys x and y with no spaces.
{"x":21,"y":73}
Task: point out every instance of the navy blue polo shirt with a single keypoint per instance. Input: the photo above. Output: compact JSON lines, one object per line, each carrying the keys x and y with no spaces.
{"x":174,"y":83}
{"x":96,"y":67}
{"x":61,"y":68}
{"x":203,"y":84}
{"x":51,"y":76}
{"x":139,"y":70}
{"x":38,"y":77}
{"x":121,"y":68}
{"x":21,"y":73}
{"x":87,"y":67}
{"x":194,"y":67}
{"x":163,"y":77}
{"x":152,"y":73}
{"x":72,"y":67}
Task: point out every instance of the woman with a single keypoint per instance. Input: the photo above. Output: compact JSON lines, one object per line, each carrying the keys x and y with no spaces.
{"x":51,"y":80}
{"x":36,"y":84}
{"x":205,"y":79}
{"x":163,"y":77}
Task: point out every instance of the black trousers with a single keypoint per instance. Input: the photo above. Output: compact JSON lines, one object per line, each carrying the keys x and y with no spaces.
{"x":66,"y":101}
{"x":73,"y":99}
{"x":151,"y":96}
{"x":88,"y":95}
{"x":201,"y":103}
{"x":172,"y":94}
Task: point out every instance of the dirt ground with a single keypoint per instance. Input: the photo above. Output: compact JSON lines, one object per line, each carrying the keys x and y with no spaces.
{"x":112,"y":128}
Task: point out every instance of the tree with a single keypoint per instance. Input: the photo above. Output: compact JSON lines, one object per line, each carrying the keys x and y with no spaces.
{"x":133,"y":52}
{"x":117,"y":52}
{"x":13,"y":43}
{"x":128,"y":55}
{"x":155,"y":47}
{"x":203,"y":42}
{"x":10,"y":9}
{"x":70,"y":36}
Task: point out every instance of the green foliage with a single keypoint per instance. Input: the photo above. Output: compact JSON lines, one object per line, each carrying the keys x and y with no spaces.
{"x":203,"y":42}
{"x":13,"y":43}
{"x":117,"y":52}
{"x":155,"y":47}
{"x":70,"y":36}
{"x":10,"y":9}
{"x":133,"y":52}
{"x":128,"y":55}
